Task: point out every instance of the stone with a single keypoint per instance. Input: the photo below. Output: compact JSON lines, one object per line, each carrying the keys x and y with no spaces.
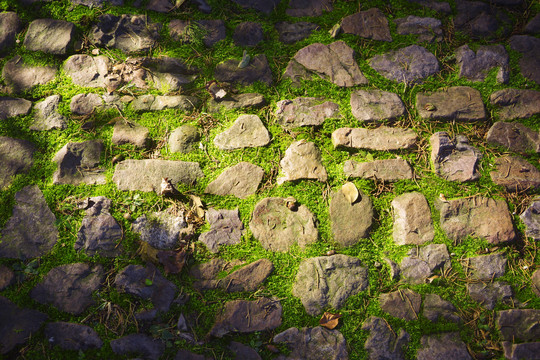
{"x":264,"y":6}
{"x":516,"y":103}
{"x":317,"y":343}
{"x":514,"y":136}
{"x":476,"y":216}
{"x":246,"y":131}
{"x":214,"y":31}
{"x":381,"y":138}
{"x":188,"y":355}
{"x":289,"y":33}
{"x":161,"y":230}
{"x":87,"y":71}
{"x":302,"y":160}
{"x":350,"y":222}
{"x":240,"y":180}
{"x":369,"y":24}
{"x":31,"y":231}
{"x":403,"y":304}
{"x":383,"y":342}
{"x":69,"y":287}
{"x":77,"y":163}
{"x":163,"y":6}
{"x":241,"y":316}
{"x":7,"y":277}
{"x":184,"y":30}
{"x":162,"y":102}
{"x":277,"y":226}
{"x":97,"y":3}
{"x":17,"y":325}
{"x":47,"y":116}
{"x":329,"y":280}
{"x":518,"y":324}
{"x":480,"y":20}
{"x":442,"y":346}
{"x":420,"y":264}
{"x":529,"y":63}
{"x":428,"y":29}
{"x":535,"y":282}
{"x":210,"y":270}
{"x":16,"y":157}
{"x":257,"y":70}
{"x":487,"y":267}
{"x":532,"y":27}
{"x":11,"y":107}
{"x":334,"y":62}
{"x":226,"y":228}
{"x":100,"y":233}
{"x":184,"y":139}
{"x":163,"y":73}
{"x":520,"y":351}
{"x":489,"y":294}
{"x":10,"y":25}
{"x":20,"y":76}
{"x":389,"y":170}
{"x":147,"y":175}
{"x":248,"y":34}
{"x":50,"y":36}
{"x":435,"y":309}
{"x":130,"y":133}
{"x":300,"y":8}
{"x":515,"y":174}
{"x":412,"y":219}
{"x":144,"y":345}
{"x":407,"y":65}
{"x":243,"y":352}
{"x":460,"y":103}
{"x":475,"y":66}
{"x":247,"y":278}
{"x":531,"y":219}
{"x":237,"y":101}
{"x":305,"y":111}
{"x":375,"y":105}
{"x":72,"y":336}
{"x":454,"y":159}
{"x":85,"y":104}
{"x":147,"y":283}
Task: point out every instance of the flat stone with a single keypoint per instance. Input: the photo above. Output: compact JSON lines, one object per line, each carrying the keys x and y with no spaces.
{"x":383,"y":342}
{"x":50,"y":36}
{"x":184,"y":139}
{"x":226,"y":228}
{"x":16,"y":157}
{"x":475,"y":66}
{"x":369,"y":24}
{"x":302,"y":160}
{"x":188,"y":355}
{"x":329,"y":280}
{"x":277,"y":226}
{"x":240,"y":180}
{"x":442,"y":346}
{"x":375,"y":105}
{"x":531,"y":219}
{"x":77,"y":163}
{"x":237,"y":101}
{"x":300,"y":8}
{"x":533,"y":26}
{"x":257,"y":70}
{"x":305,"y":111}
{"x":7,"y":277}
{"x":421,"y":264}
{"x":435,"y":309}
{"x":97,"y":3}
{"x":85,"y":104}
{"x":162,"y":102}
{"x":518,"y":324}
{"x":350,"y":222}
{"x":47,"y":116}
{"x":20,"y":76}
{"x":241,"y":316}
{"x":389,"y":170}
{"x":162,"y":6}
{"x":11,"y":107}
{"x":87,"y":71}
{"x":247,"y":278}
{"x":461,"y":103}
{"x":334,"y":62}
{"x":515,"y":174}
{"x":10,"y":25}
{"x":487,"y":267}
{"x":149,"y":348}
{"x":408,"y":65}
{"x":289,"y":33}
{"x":477,"y":216}
{"x":520,"y":351}
{"x":489,"y":294}
{"x":428,"y":29}
{"x":72,"y":336}
{"x":516,"y":103}
{"x":246,"y":131}
{"x":243,"y":352}
{"x":160,"y":230}
{"x":210,"y":270}
{"x":514,"y":136}
{"x":529,"y":63}
{"x":214,"y":31}
{"x":480,"y":20}
{"x":454,"y":159}
{"x":381,"y":138}
{"x":315,"y":343}
{"x":147,"y":175}
{"x":31,"y":231}
{"x":69,"y":287}
{"x":535,"y":282}
{"x":248,"y":34}
{"x":403,"y":304}
{"x":412,"y":219}
{"x":442,"y":7}
{"x":163,"y":73}
{"x":264,"y":6}
{"x":131,"y":133}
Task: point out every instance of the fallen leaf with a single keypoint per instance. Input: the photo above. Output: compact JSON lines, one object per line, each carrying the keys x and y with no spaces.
{"x":329,"y":320}
{"x":148,"y":253}
{"x":172,"y":261}
{"x":197,"y":206}
{"x":350,"y":191}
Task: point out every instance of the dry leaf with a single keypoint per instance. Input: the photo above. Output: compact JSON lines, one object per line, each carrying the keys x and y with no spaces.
{"x":429,"y":280}
{"x":172,"y":261}
{"x":329,"y":320}
{"x":350,"y":191}
{"x":166,"y":187}
{"x":148,"y":253}
{"x":197,"y":206}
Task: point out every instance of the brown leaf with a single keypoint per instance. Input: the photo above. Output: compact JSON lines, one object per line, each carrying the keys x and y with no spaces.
{"x":148,"y":253}
{"x":172,"y":261}
{"x":329,"y":320}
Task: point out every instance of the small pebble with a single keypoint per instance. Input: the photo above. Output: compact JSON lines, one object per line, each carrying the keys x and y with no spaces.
{"x":127,"y":216}
{"x":330,"y":252}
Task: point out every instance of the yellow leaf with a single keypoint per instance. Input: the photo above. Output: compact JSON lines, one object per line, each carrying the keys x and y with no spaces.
{"x":329,"y":320}
{"x":350,"y":191}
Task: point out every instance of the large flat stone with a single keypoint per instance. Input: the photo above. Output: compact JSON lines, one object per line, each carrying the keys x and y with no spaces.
{"x":412,"y":219}
{"x":531,"y":219}
{"x":50,"y":36}
{"x":16,"y":157}
{"x":388,"y":170}
{"x":375,"y":105}
{"x":454,"y":159}
{"x":315,"y":343}
{"x":383,"y":342}
{"x":302,"y":160}
{"x":516,"y":103}
{"x":305,"y":111}
{"x":257,"y":70}
{"x":20,"y":76}
{"x":77,"y":163}
{"x":10,"y":25}
{"x":381,"y":138}
{"x":461,"y":103}
{"x":87,"y":71}
{"x":240,"y":180}
{"x":514,"y":136}
{"x":369,"y":24}
{"x":403,"y":304}
{"x":11,"y":107}
{"x":515,"y":174}
{"x":519,"y":324}
{"x":246,"y":131}
{"x":475,"y":66}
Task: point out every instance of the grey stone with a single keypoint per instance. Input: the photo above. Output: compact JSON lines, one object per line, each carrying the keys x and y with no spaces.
{"x":533,"y":26}
{"x":428,"y":29}
{"x":264,"y":6}
{"x":515,"y":174}
{"x":302,"y":160}
{"x":350,"y":222}
{"x":529,"y":63}
{"x":188,"y":355}
{"x":210,"y":270}
{"x":226,"y":228}
{"x":247,"y":278}
{"x":535,"y":282}
{"x":144,"y":345}
{"x":257,"y":70}
{"x":475,"y":66}
{"x":11,"y":107}
{"x":300,"y":8}
{"x":277,"y":226}
{"x":30,"y":231}
{"x":7,"y":277}
{"x":234,"y":101}
{"x":461,"y":103}
{"x":443,"y":346}
{"x":374,"y":105}
{"x":69,"y":287}
{"x":412,"y":219}
{"x":395,"y":271}
{"x":289,"y":33}
{"x":246,"y":131}
{"x":87,"y":71}
{"x":329,"y":280}
{"x":214,"y":31}
{"x":10,"y":25}
{"x":20,"y":76}
{"x":16,"y":157}
{"x":77,"y":163}
{"x":163,"y":6}
{"x":184,"y":139}
{"x":516,"y":103}
{"x":514,"y":136}
{"x":85,"y":104}
{"x":369,"y":24}
{"x":72,"y":336}
{"x":243,"y":352}
{"x":531,"y":219}
{"x":305,"y":111}
{"x":240,"y":180}
{"x":381,"y":138}
{"x":160,"y":230}
{"x":480,"y":20}
{"x":315,"y":343}
{"x":162,"y":102}
{"x":408,"y":65}
{"x":518,"y":324}
{"x":164,"y":73}
{"x":50,"y":36}
{"x":439,"y":6}
{"x":388,"y":170}
{"x":454,"y":159}
{"x":383,"y":342}
{"x":248,"y":34}
{"x":521,"y":351}
{"x":131,"y":133}
{"x":420,"y":264}
{"x":403,"y":304}
{"x":487,"y":267}
{"x":147,"y":175}
{"x":489,"y":294}
{"x":435,"y":309}
{"x":47,"y":116}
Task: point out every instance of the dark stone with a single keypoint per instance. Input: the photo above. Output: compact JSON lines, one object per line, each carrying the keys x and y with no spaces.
{"x":374,"y":105}
{"x":226,"y":228}
{"x":533,"y":26}
{"x":188,"y":355}
{"x":87,"y":71}
{"x":20,"y":76}
{"x":427,"y":29}
{"x":514,"y":136}
{"x":72,"y":336}
{"x":77,"y":163}
{"x":369,"y":24}
{"x":257,"y":70}
{"x":403,"y":304}
{"x":305,"y":111}
{"x":381,"y":138}
{"x":531,"y":219}
{"x":300,"y":8}
{"x":247,"y":278}
{"x":11,"y":107}
{"x":50,"y":36}
{"x":160,"y":230}
{"x":487,"y":267}
{"x":421,"y":263}
{"x":163,"y":6}
{"x":16,"y":157}
{"x":461,"y":103}
{"x":515,"y":174}
{"x":535,"y":282}
{"x":475,"y":66}
{"x":521,"y":351}
{"x":302,"y":160}
{"x":480,"y":20}
{"x":264,"y":6}
{"x":412,"y":219}
{"x":47,"y":116}
{"x":383,"y":342}
{"x":489,"y":294}
{"x":289,"y":33}
{"x":435,"y":309}
{"x":10,"y":25}
{"x":516,"y":103}
{"x":140,"y":344}
{"x":248,"y":34}
{"x":240,"y":180}
{"x":454,"y":159}
{"x":519,"y":324}
{"x":439,"y":6}
{"x":243,"y":352}
{"x":7,"y":277}
{"x":214,"y":31}
{"x":210,"y":270}
{"x":315,"y":343}
{"x":443,"y":346}
{"x":529,"y":63}
{"x":389,"y":170}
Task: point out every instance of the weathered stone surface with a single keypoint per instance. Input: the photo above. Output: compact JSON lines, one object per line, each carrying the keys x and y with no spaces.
{"x":20,"y":76}
{"x":7,"y":277}
{"x":388,"y":170}
{"x":214,"y":31}
{"x":533,"y":26}
{"x":518,"y":324}
{"x":428,"y":29}
{"x":374,"y":105}
{"x":302,"y":160}
{"x":50,"y":36}
{"x":489,"y":294}
{"x":30,"y":231}
{"x":334,"y":62}
{"x":257,"y":70}
{"x":475,"y":66}
{"x":442,"y":346}
{"x":383,"y":342}
{"x":535,"y":282}
{"x":435,"y":309}
{"x":10,"y":25}
{"x":84,"y":104}
{"x":350,"y":222}
{"x":11,"y":107}
{"x":289,"y":33}
{"x":130,"y":133}
{"x":47,"y":116}
{"x":96,"y":3}
{"x":72,"y":336}
{"x":184,"y":139}
{"x":487,"y":267}
{"x":77,"y":163}
{"x":247,"y":316}
{"x":478,"y":216}
{"x":403,"y":304}
{"x":226,"y":228}
{"x":420,"y":264}
{"x":147,"y":175}
{"x":329,"y":280}
{"x":16,"y":157}
{"x":164,"y":73}
{"x":234,"y":101}
{"x":240,"y":180}
{"x":188,"y":355}
{"x":305,"y":111}
{"x":246,"y":131}
{"x":529,"y":63}
{"x":531,"y":219}
{"x":412,"y":219}
{"x":381,"y":138}
{"x":516,"y":103}
{"x":409,"y":64}
{"x":514,"y":136}
{"x":278,"y":226}
{"x":140,"y":344}
{"x":520,"y":351}
{"x":160,"y":230}
{"x":163,"y":6}
{"x":247,"y":278}
{"x":316,"y":343}
{"x":264,"y":6}
{"x":248,"y":34}
{"x":369,"y":24}
{"x":480,"y":20}
{"x":210,"y":270}
{"x":454,"y":159}
{"x":461,"y":103}
{"x":162,"y":102}
{"x":69,"y":287}
{"x":86,"y":70}
{"x":515,"y":174}
{"x":439,"y":6}
{"x":300,"y":8}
